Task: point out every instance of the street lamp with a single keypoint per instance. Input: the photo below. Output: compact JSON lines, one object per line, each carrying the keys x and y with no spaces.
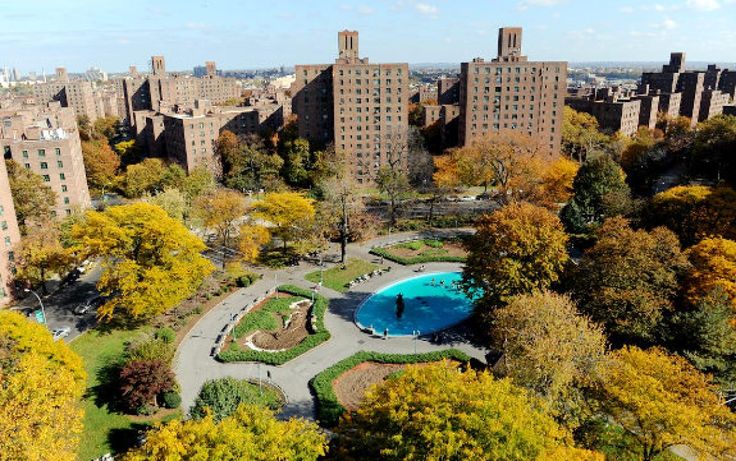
{"x":43,"y":311}
{"x":416,"y":337}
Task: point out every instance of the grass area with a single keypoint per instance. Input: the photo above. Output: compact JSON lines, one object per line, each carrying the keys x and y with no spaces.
{"x":329,"y":409}
{"x":266,"y":318}
{"x":337,"y":278}
{"x":105,"y":429}
{"x":235,"y":353}
{"x":424,"y":251}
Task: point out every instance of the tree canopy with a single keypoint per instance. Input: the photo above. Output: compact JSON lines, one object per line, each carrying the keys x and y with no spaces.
{"x":629,"y":279}
{"x":150,"y":261}
{"x":251,"y":433}
{"x":516,"y":249}
{"x":101,"y":164}
{"x":40,"y":255}
{"x":41,"y":384}
{"x":713,"y":266}
{"x":221,"y":398}
{"x":436,"y":412}
{"x":32,"y":198}
{"x":290,"y":215}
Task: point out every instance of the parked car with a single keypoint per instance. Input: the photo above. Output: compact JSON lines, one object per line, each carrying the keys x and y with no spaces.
{"x":89,"y":305}
{"x":61,"y":332}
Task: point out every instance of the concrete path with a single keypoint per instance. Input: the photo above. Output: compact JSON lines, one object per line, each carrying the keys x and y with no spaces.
{"x":193,"y":364}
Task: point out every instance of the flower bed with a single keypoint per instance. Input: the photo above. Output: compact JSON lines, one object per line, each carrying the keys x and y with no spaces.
{"x":236,"y":353}
{"x":329,"y":408}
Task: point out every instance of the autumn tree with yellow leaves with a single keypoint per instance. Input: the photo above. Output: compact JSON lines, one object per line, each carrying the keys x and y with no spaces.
{"x":39,"y":255}
{"x":251,"y":433}
{"x":713,"y":263}
{"x":290,"y":215}
{"x":150,"y":261}
{"x":659,"y":400}
{"x":41,"y":384}
{"x":516,"y":249}
{"x":436,"y":412}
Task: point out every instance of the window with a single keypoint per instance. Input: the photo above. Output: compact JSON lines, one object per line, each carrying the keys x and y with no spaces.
{"x":4,"y":225}
{"x":57,"y":151}
{"x":44,"y":166}
{"x":66,"y":200}
{"x":60,"y":164}
{"x":64,"y":188}
{"x":25,"y":154}
{"x":62,"y":177}
{"x":46,"y":178}
{"x":42,"y":152}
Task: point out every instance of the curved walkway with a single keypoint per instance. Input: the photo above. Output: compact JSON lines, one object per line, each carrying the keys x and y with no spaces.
{"x":194,"y":365}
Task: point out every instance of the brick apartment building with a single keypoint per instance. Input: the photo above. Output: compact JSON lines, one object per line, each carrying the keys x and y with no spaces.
{"x":361,"y":107}
{"x":9,"y":236}
{"x":79,"y":95}
{"x":45,"y":140}
{"x":512,"y":93}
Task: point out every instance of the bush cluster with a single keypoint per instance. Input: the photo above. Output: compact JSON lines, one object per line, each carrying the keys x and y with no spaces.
{"x":237,"y":354}
{"x":329,"y":409}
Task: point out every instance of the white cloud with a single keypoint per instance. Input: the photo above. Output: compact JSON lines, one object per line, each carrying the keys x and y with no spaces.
{"x":425,"y":8}
{"x":704,"y":5}
{"x":668,"y":24}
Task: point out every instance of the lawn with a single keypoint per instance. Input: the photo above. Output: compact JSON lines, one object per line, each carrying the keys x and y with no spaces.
{"x":338,"y":278}
{"x":423,"y":251}
{"x":105,"y":430}
{"x":270,"y":317}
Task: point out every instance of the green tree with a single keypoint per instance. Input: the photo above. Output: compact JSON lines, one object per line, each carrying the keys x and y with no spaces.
{"x":341,"y":201}
{"x":41,"y":384}
{"x":598,"y":183}
{"x":715,"y":142}
{"x":660,"y":400}
{"x":150,"y":261}
{"x":251,"y":433}
{"x":32,"y":198}
{"x":173,"y":202}
{"x":515,"y":250}
{"x":106,"y":128}
{"x":290,"y":214}
{"x":296,"y":162}
{"x":221,"y":398}
{"x":129,"y":152}
{"x":628,"y":280}
{"x":199,"y":181}
{"x":437,"y":413}
{"x":580,"y":135}
{"x":144,"y":177}
{"x":548,"y":348}
{"x":247,"y":162}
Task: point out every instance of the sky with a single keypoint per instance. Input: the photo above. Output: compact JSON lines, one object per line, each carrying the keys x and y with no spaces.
{"x":246,"y":34}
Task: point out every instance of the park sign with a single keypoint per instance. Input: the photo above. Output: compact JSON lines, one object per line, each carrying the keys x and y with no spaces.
{"x":39,"y":316}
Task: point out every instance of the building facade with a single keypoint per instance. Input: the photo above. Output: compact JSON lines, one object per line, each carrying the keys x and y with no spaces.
{"x":512,"y":93}
{"x":9,"y":236}
{"x":360,"y":107}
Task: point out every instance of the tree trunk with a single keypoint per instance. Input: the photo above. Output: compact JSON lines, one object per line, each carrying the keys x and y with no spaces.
{"x":44,"y":290}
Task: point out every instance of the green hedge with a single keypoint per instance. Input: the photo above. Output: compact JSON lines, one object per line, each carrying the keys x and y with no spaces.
{"x":384,"y":252}
{"x":236,"y":353}
{"x":329,"y":409}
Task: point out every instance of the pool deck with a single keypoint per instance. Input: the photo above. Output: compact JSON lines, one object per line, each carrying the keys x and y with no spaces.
{"x":194,"y":365}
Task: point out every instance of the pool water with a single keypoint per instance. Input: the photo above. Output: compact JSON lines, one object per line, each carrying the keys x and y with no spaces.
{"x":432,"y":302}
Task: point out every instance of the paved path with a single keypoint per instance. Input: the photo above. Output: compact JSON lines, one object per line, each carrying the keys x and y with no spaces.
{"x":193,"y":364}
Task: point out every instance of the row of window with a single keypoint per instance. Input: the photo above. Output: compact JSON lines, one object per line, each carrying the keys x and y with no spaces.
{"x":516,"y":70}
{"x":42,"y":152}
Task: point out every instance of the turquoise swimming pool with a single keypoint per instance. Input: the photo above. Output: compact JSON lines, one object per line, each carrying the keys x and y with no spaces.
{"x":432,"y":302}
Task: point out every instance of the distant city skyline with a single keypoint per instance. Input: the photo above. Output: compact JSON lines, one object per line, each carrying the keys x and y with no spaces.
{"x":80,"y":34}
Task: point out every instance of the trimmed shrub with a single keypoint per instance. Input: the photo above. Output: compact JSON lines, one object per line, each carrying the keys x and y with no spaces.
{"x":142,"y":380}
{"x":151,"y":348}
{"x":166,"y":334}
{"x":236,"y":353}
{"x":329,"y":409}
{"x":223,"y":396}
{"x":247,"y":279}
{"x":171,"y":399}
{"x":414,"y":246}
{"x":434,"y":243}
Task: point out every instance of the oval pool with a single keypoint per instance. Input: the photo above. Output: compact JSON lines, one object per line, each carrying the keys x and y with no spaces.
{"x":432,"y":302}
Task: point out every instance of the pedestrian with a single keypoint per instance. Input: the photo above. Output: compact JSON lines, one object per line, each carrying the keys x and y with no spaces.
{"x":385,"y":333}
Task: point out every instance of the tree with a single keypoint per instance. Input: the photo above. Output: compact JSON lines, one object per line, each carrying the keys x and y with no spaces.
{"x":660,"y":400}
{"x":106,"y":128}
{"x":704,"y":333}
{"x":247,"y":163}
{"x":141,"y":381}
{"x":715,"y":143}
{"x":199,"y":181}
{"x":548,"y":348}
{"x":435,"y":412}
{"x":251,"y":238}
{"x":695,"y":212}
{"x":144,"y":177}
{"x":580,"y":135}
{"x":340,"y":202}
{"x":40,"y":255}
{"x":41,"y":384}
{"x":557,"y":181}
{"x":172,"y":201}
{"x":129,"y":152}
{"x":290,"y":214}
{"x":100,"y":164}
{"x":251,"y":433}
{"x":32,"y":198}
{"x":221,"y":398}
{"x":150,"y":261}
{"x":629,"y":279}
{"x":85,"y":128}
{"x":713,"y":265}
{"x":219,"y":211}
{"x":296,"y":162}
{"x":596,"y":180}
{"x":515,"y":250}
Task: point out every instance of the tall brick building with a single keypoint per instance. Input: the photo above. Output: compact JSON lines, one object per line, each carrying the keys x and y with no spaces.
{"x":9,"y":235}
{"x":45,"y":140}
{"x":78,"y":95}
{"x":512,"y":93}
{"x":361,"y":107}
